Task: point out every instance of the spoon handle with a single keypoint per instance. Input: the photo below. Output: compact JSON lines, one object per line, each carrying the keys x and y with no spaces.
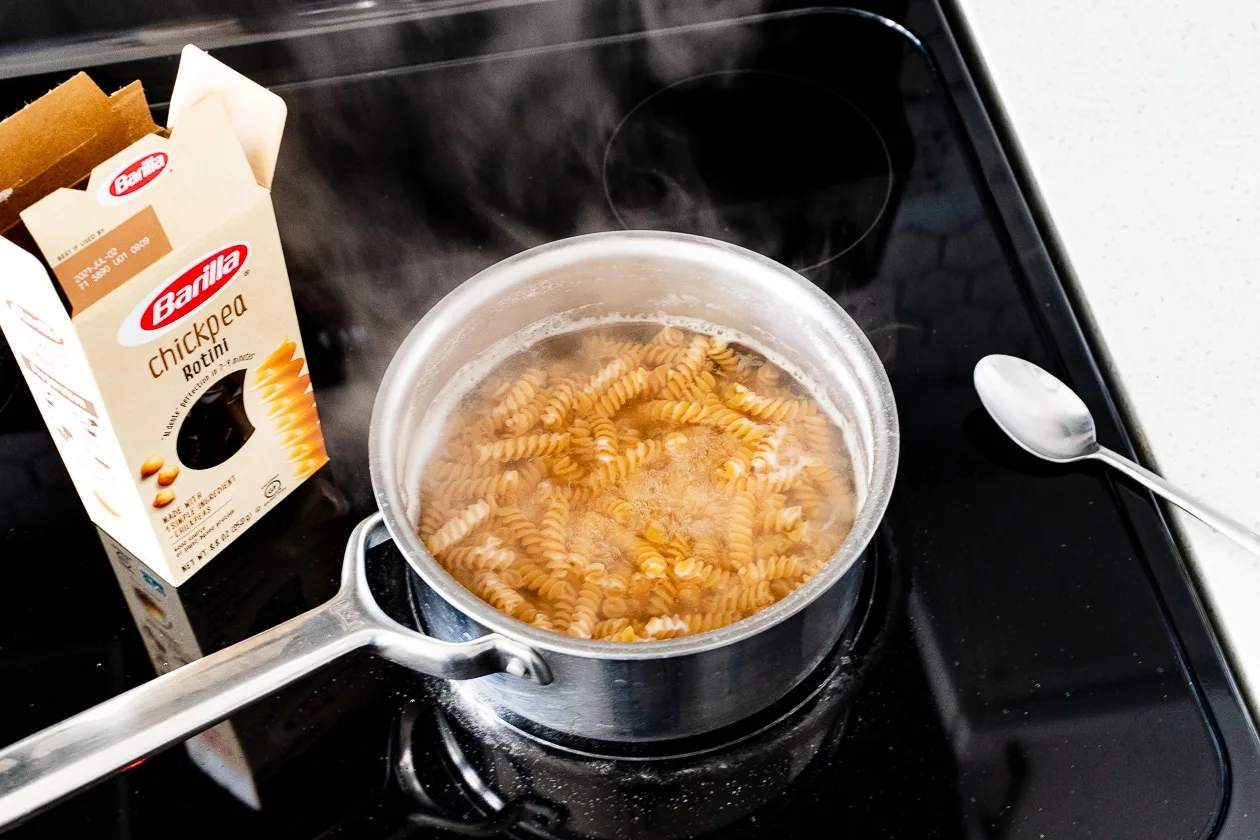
{"x":1231,"y":528}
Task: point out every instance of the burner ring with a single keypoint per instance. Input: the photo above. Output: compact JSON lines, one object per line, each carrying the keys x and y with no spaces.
{"x":803,"y":185}
{"x":463,"y":756}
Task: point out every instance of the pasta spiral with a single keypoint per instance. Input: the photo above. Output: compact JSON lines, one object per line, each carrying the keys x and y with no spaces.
{"x":558,"y":404}
{"x":647,"y":557}
{"x":451,"y":471}
{"x":678,"y":411}
{"x":621,"y":466}
{"x":783,"y":520}
{"x":621,"y":392}
{"x":552,"y":531}
{"x":776,"y":409}
{"x":433,"y":516}
{"x":668,"y":337}
{"x":739,"y":542}
{"x":766,"y":377}
{"x":604,"y":435}
{"x":514,"y":523}
{"x":490,"y":555}
{"x":610,"y":627}
{"x":492,"y":589}
{"x":495,"y":485}
{"x":773,"y":568}
{"x":510,"y":449}
{"x":677,"y":386}
{"x":726,"y":358}
{"x":458,"y":527}
{"x":733,"y":423}
{"x":517,"y":397}
{"x":586,"y":399}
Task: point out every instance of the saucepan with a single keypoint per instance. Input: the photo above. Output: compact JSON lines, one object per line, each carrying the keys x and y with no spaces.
{"x":603,"y":690}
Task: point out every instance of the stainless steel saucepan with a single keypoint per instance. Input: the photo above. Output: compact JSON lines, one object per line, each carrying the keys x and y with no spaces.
{"x":604,"y":690}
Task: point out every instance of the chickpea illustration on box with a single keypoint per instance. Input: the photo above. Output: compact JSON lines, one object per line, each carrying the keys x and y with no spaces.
{"x":165,"y":478}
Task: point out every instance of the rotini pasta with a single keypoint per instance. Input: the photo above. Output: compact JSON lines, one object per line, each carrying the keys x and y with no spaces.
{"x":668,"y":337}
{"x":527,"y":415}
{"x":739,"y":538}
{"x":604,"y":437}
{"x":458,"y":527}
{"x":434,"y":516}
{"x":558,"y":405}
{"x":510,"y":449}
{"x":517,"y":397}
{"x":783,"y":520}
{"x":678,"y":411}
{"x":490,"y":555}
{"x":775,"y":409}
{"x":495,"y":591}
{"x":585,"y":400}
{"x":623,"y":464}
{"x":495,"y":485}
{"x":609,"y":627}
{"x":621,"y":392}
{"x":449,"y":471}
{"x":646,"y":556}
{"x":679,"y":387}
{"x":616,"y":486}
{"x":725,"y":358}
{"x":553,"y":530}
{"x":766,"y":377}
{"x":773,"y":568}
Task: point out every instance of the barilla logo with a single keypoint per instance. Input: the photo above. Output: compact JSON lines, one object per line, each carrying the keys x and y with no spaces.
{"x":172,"y":303}
{"x":134,"y":177}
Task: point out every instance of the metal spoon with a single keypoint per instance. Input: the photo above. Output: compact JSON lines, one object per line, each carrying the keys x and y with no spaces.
{"x":1048,"y":419}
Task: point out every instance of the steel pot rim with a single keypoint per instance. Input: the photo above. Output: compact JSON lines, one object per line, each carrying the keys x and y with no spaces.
{"x":489,"y":282}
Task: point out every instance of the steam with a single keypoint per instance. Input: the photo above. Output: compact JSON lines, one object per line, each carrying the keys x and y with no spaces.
{"x":396,"y":187}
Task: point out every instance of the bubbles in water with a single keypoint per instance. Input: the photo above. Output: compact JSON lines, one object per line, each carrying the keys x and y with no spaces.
{"x":634,"y":482}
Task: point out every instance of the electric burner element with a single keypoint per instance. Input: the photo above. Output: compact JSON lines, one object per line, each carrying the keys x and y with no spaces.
{"x":500,"y":769}
{"x":772,"y":162}
{"x":456,"y":757}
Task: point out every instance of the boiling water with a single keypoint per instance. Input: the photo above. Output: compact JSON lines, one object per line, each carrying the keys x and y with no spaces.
{"x":633,"y":482}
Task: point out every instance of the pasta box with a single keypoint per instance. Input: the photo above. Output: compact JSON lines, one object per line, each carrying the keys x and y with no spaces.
{"x":144,"y":295}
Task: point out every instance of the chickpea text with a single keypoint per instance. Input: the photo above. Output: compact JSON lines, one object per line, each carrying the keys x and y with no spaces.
{"x":202,"y":333}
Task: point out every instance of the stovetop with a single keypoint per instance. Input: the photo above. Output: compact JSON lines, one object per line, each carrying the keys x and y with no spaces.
{"x":1032,"y":660}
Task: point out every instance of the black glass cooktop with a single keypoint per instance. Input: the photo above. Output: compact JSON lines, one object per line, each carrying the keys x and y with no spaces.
{"x":1030,"y":659}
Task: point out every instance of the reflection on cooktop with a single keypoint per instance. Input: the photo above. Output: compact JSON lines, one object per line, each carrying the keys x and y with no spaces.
{"x":770,"y":161}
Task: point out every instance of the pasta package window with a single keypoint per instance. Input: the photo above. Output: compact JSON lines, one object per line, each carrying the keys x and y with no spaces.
{"x":678,"y":483}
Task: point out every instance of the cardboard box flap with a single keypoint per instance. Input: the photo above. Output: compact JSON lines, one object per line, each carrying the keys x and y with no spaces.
{"x":56,"y":140}
{"x":257,"y":114}
{"x":155,"y":196}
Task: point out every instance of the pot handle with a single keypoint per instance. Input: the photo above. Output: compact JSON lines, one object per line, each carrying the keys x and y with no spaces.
{"x":41,"y":770}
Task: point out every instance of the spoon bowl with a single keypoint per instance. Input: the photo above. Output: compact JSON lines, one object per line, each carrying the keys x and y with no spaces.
{"x":1036,"y":410}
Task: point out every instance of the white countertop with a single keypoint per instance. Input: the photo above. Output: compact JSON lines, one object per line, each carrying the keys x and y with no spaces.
{"x":1140,"y":123}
